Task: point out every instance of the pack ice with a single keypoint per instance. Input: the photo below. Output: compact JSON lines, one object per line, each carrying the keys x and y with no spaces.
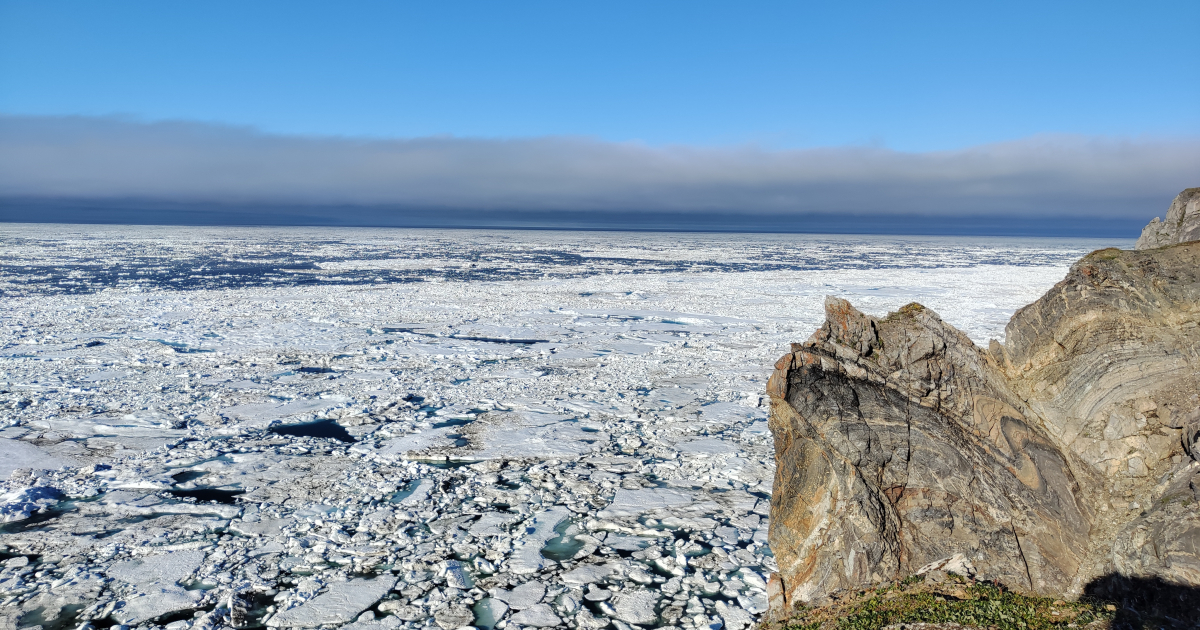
{"x":378,"y":429}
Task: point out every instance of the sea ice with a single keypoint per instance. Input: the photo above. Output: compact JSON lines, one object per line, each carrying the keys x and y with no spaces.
{"x":155,"y":602}
{"x":340,"y":603}
{"x":537,"y":616}
{"x":527,"y":555}
{"x":523,"y":596}
{"x":16,"y":454}
{"x":636,"y":607}
{"x":634,"y":502}
{"x":165,"y":569}
{"x":352,"y":428}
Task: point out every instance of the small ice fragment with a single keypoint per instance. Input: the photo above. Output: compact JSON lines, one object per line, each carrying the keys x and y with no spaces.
{"x":523,"y":596}
{"x":528,"y":558}
{"x":634,"y":502}
{"x":340,"y":603}
{"x":538,"y":616}
{"x":586,"y":574}
{"x":636,"y":607}
{"x":488,"y":612}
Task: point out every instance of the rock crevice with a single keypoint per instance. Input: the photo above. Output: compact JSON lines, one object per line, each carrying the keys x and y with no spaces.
{"x":1047,"y":461}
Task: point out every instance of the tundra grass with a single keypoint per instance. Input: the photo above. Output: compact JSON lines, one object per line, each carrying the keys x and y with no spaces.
{"x":955,"y":601}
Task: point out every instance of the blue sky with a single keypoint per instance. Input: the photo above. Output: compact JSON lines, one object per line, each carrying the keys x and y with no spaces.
{"x":1014,"y":110}
{"x":910,"y":76}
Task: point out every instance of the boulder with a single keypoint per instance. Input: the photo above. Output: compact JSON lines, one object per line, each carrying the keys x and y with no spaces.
{"x":1182,"y":224}
{"x":1063,"y":455}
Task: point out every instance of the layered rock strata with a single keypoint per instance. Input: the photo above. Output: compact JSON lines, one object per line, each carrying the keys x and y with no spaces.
{"x":1182,"y":224}
{"x":1065,"y":454}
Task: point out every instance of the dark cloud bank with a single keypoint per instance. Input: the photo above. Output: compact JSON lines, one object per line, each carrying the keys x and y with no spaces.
{"x":109,"y":170}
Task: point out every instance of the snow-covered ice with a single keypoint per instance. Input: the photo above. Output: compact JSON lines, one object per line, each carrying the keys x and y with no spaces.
{"x":385,"y":429}
{"x":340,"y":603}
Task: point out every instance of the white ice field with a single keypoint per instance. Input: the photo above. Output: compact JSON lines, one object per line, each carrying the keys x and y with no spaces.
{"x":417,"y":428}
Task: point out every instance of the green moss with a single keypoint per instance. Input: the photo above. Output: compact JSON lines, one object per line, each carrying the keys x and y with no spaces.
{"x":967,"y":603}
{"x":1110,"y":253}
{"x":908,"y":310}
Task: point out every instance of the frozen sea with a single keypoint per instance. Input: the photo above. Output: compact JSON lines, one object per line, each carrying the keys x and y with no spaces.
{"x":387,"y":428}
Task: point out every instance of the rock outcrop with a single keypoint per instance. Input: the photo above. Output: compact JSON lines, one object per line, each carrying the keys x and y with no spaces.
{"x":1182,"y":224}
{"x":1063,"y":455}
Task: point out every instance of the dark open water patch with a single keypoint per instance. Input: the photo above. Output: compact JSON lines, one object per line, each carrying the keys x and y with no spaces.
{"x":36,"y":519}
{"x":320,"y":429}
{"x":64,"y":618}
{"x":180,"y":615}
{"x":256,"y":609}
{"x":562,"y":547}
{"x":447,"y":464}
{"x":405,"y":492}
{"x":188,"y":475}
{"x":204,"y":495}
{"x":40,"y":261}
{"x":523,"y":342}
{"x":453,"y":422}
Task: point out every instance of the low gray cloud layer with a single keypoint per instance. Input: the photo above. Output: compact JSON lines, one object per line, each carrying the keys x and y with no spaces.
{"x":109,"y":158}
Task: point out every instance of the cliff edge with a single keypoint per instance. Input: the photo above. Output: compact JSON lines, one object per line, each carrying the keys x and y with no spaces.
{"x":1182,"y":224}
{"x":1067,"y":454}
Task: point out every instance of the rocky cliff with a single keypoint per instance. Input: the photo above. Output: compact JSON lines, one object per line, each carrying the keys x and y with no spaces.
{"x":1182,"y":224}
{"x":1064,"y":455}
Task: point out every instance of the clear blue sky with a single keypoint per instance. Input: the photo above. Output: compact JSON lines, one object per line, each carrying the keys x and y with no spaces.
{"x":911,"y":76}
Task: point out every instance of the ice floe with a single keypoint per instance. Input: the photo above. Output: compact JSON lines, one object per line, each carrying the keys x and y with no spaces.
{"x":355,"y":428}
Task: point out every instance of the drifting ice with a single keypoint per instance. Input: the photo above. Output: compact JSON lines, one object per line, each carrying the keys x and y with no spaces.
{"x":537,"y":430}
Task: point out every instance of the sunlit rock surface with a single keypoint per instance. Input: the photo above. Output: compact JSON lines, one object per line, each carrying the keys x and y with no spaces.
{"x":1182,"y":223}
{"x":1064,"y":454}
{"x":420,"y":429}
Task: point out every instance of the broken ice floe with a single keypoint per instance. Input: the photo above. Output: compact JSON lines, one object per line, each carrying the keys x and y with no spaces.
{"x":341,"y":602}
{"x":498,"y":435}
{"x":331,"y":440}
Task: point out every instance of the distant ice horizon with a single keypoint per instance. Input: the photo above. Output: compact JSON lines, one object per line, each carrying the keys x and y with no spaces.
{"x":77,"y":213}
{"x":60,"y":259}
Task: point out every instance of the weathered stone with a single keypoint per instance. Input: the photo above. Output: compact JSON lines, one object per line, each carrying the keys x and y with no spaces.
{"x":1182,"y":224}
{"x":901,"y":444}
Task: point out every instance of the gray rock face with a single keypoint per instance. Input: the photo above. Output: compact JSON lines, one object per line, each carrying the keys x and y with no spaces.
{"x":1182,"y":224}
{"x":1045,"y":462}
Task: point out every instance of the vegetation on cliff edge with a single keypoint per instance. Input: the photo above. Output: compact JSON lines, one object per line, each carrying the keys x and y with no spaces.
{"x":952,"y":601}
